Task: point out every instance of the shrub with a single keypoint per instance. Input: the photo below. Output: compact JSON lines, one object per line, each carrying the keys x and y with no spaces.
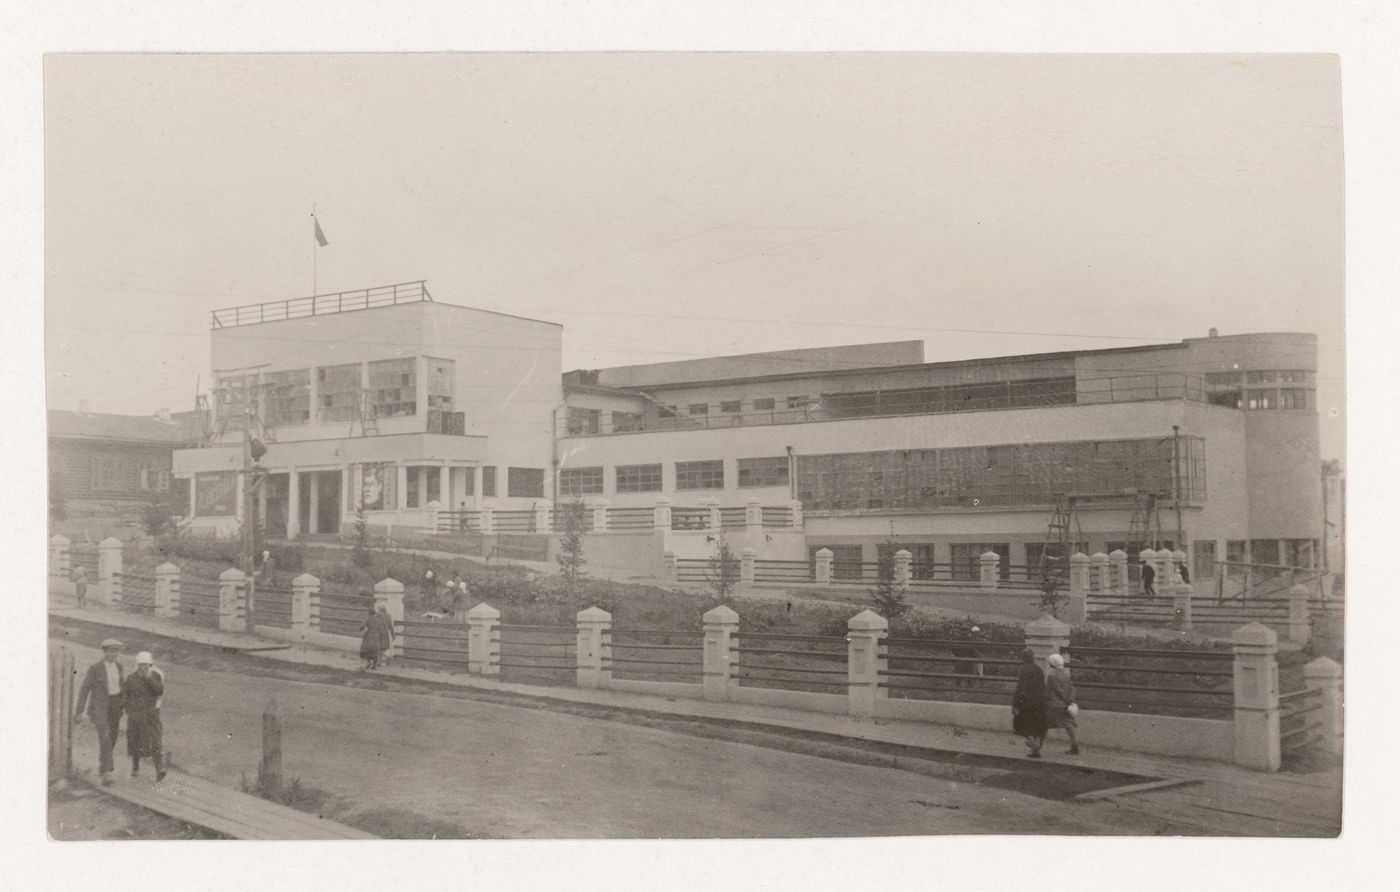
{"x":887,"y":597}
{"x":570,"y":557}
{"x":725,"y":571}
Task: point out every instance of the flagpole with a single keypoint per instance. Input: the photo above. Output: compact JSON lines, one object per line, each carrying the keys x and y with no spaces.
{"x":315,"y":250}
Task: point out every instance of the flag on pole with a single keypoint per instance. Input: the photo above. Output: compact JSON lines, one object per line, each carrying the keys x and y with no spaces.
{"x":320,"y":236}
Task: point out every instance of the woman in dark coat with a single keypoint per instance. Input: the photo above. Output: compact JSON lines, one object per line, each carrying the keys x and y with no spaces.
{"x":141,"y":693}
{"x":1028,"y":717}
{"x":370,"y":646}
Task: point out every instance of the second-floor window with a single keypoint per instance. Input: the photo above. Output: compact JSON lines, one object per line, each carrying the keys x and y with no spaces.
{"x":583,"y":421}
{"x":393,"y":387}
{"x":338,"y":391}
{"x":287,"y":397}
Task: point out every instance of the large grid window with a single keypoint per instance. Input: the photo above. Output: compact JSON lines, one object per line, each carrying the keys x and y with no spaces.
{"x":583,"y":421}
{"x":622,"y":422}
{"x":580,"y":481}
{"x":338,"y":389}
{"x":442,"y":384}
{"x":763,"y":471}
{"x":234,"y":396}
{"x":845,"y":560}
{"x":981,"y":476}
{"x":638,"y":478}
{"x":287,"y":397}
{"x":393,"y":387}
{"x":525,"y":483}
{"x":700,"y":474}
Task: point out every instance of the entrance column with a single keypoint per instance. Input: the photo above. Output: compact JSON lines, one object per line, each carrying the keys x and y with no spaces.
{"x":476,"y":488}
{"x":445,"y":487}
{"x":402,"y":498}
{"x":315,"y":517}
{"x":293,"y":503}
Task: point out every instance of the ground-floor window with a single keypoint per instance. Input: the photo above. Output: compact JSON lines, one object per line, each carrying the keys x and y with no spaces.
{"x":845,"y":560}
{"x":638,"y":478}
{"x":580,"y":481}
{"x":526,"y":483}
{"x":967,"y":559}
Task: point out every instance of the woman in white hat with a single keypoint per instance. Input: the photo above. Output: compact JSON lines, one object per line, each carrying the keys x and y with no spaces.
{"x":1060,"y":708}
{"x":143,"y":691}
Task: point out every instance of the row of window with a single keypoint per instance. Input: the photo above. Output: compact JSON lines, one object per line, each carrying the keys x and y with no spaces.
{"x":582,"y":421}
{"x":117,"y":474}
{"x":690,"y":475}
{"x":1242,"y":390}
{"x":387,"y":387}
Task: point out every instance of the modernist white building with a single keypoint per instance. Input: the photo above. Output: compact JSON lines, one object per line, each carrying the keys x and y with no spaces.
{"x":421,"y":407}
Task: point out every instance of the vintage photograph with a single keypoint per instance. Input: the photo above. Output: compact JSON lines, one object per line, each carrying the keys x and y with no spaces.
{"x":694,"y":445}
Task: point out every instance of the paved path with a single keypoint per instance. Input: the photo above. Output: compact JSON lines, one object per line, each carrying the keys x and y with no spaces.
{"x":1228,"y":801}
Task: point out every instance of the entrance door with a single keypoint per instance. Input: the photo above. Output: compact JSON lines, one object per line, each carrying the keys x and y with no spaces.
{"x":328,"y":502}
{"x":277,"y":495}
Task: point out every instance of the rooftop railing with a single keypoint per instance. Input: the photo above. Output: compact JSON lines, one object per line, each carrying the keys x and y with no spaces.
{"x":322,"y":304}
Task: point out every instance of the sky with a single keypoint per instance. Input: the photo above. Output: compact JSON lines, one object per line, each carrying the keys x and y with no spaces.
{"x":671,"y":205}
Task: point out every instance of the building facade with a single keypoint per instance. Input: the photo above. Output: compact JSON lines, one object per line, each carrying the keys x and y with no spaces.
{"x":407,"y":406}
{"x":382,"y":399}
{"x":106,"y":465}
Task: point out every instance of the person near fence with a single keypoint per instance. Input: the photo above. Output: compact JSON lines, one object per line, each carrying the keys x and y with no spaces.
{"x":1149,"y":577}
{"x":78,"y":576}
{"x":1028,"y":704}
{"x":1060,"y":708}
{"x":459,"y":601}
{"x":968,"y":661}
{"x":101,"y":697}
{"x":429,"y":589}
{"x":377,"y":636}
{"x":141,"y":693}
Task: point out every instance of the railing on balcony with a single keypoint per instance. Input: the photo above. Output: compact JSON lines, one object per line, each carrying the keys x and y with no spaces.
{"x":322,"y":304}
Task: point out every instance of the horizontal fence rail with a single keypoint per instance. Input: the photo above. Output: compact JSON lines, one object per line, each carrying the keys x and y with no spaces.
{"x":541,"y":653}
{"x":791,"y":662}
{"x":966,"y":671}
{"x":1163,"y":682}
{"x":273,"y":607}
{"x":321,"y":304}
{"x":138,"y":592}
{"x":341,"y":614}
{"x":655,"y":655}
{"x":197,"y":601}
{"x":439,"y":644}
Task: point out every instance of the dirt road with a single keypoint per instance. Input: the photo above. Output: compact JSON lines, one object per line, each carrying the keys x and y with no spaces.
{"x":408,"y":760}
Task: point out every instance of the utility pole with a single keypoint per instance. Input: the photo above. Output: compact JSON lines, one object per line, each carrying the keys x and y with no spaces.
{"x":250,"y":539}
{"x":1176,"y":484}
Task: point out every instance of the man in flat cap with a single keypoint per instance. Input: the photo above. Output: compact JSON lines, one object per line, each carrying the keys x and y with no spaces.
{"x":101,"y":695}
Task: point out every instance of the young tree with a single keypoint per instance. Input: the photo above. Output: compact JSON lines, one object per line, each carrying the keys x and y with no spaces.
{"x":360,"y":554}
{"x":725,"y":570}
{"x":571,"y":559}
{"x":887,"y":597}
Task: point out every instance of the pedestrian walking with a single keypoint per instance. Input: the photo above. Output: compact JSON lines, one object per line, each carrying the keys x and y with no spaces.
{"x":141,"y":693}
{"x":1060,"y":709}
{"x":1028,"y":704}
{"x":369,"y":640}
{"x":429,"y":589}
{"x":968,"y":661}
{"x":78,"y":575}
{"x":459,"y":601}
{"x":101,"y":697}
{"x":1149,"y":576}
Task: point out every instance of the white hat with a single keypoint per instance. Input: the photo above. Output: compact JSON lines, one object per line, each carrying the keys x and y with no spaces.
{"x":144,"y":657}
{"x":1056,"y":661}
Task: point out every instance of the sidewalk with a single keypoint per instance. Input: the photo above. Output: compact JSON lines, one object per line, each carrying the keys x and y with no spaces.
{"x":1228,"y":800}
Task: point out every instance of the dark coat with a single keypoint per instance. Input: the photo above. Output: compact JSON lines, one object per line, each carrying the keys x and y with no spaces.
{"x":1028,"y":703}
{"x":93,"y":694}
{"x":143,"y":729}
{"x":378,"y":633}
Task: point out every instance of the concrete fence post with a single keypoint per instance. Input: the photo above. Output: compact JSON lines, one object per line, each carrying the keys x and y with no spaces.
{"x":1118,"y":559}
{"x":305,"y":588}
{"x":600,"y":515}
{"x":167,"y":589}
{"x":1325,"y":675}
{"x":487,"y":519}
{"x":823,"y":569}
{"x":713,"y":519}
{"x":544,"y":511}
{"x":753,"y":517}
{"x":661,"y":514}
{"x":903,"y":568}
{"x":594,"y":650}
{"x":1256,"y":698}
{"x":1099,"y":583}
{"x":109,"y":572}
{"x":1181,"y":605}
{"x":717,"y":680}
{"x":484,"y":640}
{"x":672,"y":565}
{"x":60,"y":549}
{"x":865,"y":662}
{"x":1046,"y":636}
{"x":989,"y":565}
{"x":747,"y":561}
{"x":233,"y":588}
{"x":1077,"y":609}
{"x":388,"y":593}
{"x":1299,"y":620}
{"x":795,"y":512}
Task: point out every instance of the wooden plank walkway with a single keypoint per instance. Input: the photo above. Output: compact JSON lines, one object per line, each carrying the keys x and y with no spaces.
{"x":231,"y":813}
